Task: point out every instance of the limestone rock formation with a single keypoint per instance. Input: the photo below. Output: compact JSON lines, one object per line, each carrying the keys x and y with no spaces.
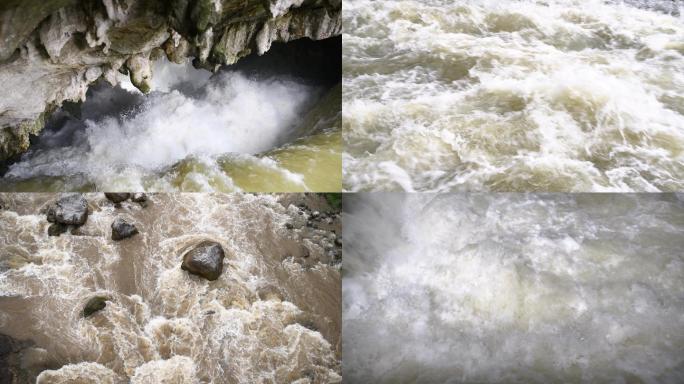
{"x":205,"y":259}
{"x":71,"y":209}
{"x":51,"y":50}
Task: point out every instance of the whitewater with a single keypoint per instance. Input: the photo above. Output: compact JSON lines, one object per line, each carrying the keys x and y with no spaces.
{"x":248,"y":128}
{"x":512,"y":288}
{"x":521,"y":95}
{"x":272,"y":316}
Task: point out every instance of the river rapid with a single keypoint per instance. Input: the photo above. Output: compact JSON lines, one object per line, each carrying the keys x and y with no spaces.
{"x":265,"y":124}
{"x":520,"y":95}
{"x":272,"y":316}
{"x":512,"y":288}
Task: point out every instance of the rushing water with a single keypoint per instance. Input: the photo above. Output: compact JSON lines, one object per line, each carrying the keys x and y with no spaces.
{"x":272,"y":317}
{"x":513,"y":288}
{"x":240,"y":129}
{"x":516,"y":95}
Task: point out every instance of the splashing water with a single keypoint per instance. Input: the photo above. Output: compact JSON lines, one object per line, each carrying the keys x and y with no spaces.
{"x":521,"y":95}
{"x":272,"y":316}
{"x":191,"y":133}
{"x":510,"y":288}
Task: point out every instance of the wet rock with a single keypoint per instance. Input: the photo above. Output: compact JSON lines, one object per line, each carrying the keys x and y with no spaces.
{"x":69,"y":210}
{"x":139,"y":197}
{"x":289,"y":226}
{"x":95,"y":304}
{"x":6,"y":348}
{"x":140,"y":70}
{"x":205,"y":260}
{"x":117,"y":198}
{"x":5,"y":345}
{"x":56,"y":229}
{"x":121,"y":229}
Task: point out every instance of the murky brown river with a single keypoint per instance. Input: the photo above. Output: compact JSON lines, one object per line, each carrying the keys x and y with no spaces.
{"x":272,"y":316}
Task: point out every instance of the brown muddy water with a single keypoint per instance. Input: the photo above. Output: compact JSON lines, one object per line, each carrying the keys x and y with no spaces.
{"x":273,"y":316}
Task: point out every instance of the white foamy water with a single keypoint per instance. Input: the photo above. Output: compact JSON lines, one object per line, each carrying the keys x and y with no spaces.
{"x":193,"y":132}
{"x":231,"y":114}
{"x":273,"y":316}
{"x":510,"y":288}
{"x":520,"y":95}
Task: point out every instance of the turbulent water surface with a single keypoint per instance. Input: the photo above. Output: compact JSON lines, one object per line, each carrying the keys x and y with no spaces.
{"x":273,"y":316}
{"x":239,"y":129}
{"x":513,"y":288}
{"x":519,"y":95}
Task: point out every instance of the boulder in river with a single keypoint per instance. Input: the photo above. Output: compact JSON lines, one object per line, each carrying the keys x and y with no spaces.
{"x":117,"y":198}
{"x":95,"y":304}
{"x":70,"y":210}
{"x":56,"y":229}
{"x":205,"y":260}
{"x":121,"y":229}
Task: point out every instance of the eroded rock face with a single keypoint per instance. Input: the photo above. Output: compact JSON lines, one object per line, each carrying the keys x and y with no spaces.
{"x":51,"y":50}
{"x":69,"y":210}
{"x":205,"y":260}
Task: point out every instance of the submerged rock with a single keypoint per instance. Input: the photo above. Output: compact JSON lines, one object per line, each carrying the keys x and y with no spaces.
{"x":122,"y":229}
{"x":56,"y":229}
{"x":95,"y":304}
{"x":117,"y":198}
{"x":205,"y":260}
{"x":139,"y":197}
{"x":69,"y":210}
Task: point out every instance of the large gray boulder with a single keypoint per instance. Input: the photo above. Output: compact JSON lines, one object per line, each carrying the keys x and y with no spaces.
{"x":69,"y":210}
{"x":205,"y":260}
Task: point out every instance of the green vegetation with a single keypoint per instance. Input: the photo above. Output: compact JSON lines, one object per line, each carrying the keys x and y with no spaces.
{"x":334,"y":200}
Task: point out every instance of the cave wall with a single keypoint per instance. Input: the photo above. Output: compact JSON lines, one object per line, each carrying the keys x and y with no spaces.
{"x":51,"y":50}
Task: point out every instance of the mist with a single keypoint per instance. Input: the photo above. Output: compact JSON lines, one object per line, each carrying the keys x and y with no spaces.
{"x":512,"y":288}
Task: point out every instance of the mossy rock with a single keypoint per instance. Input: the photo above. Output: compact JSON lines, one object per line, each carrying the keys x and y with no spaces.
{"x":204,"y":15}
